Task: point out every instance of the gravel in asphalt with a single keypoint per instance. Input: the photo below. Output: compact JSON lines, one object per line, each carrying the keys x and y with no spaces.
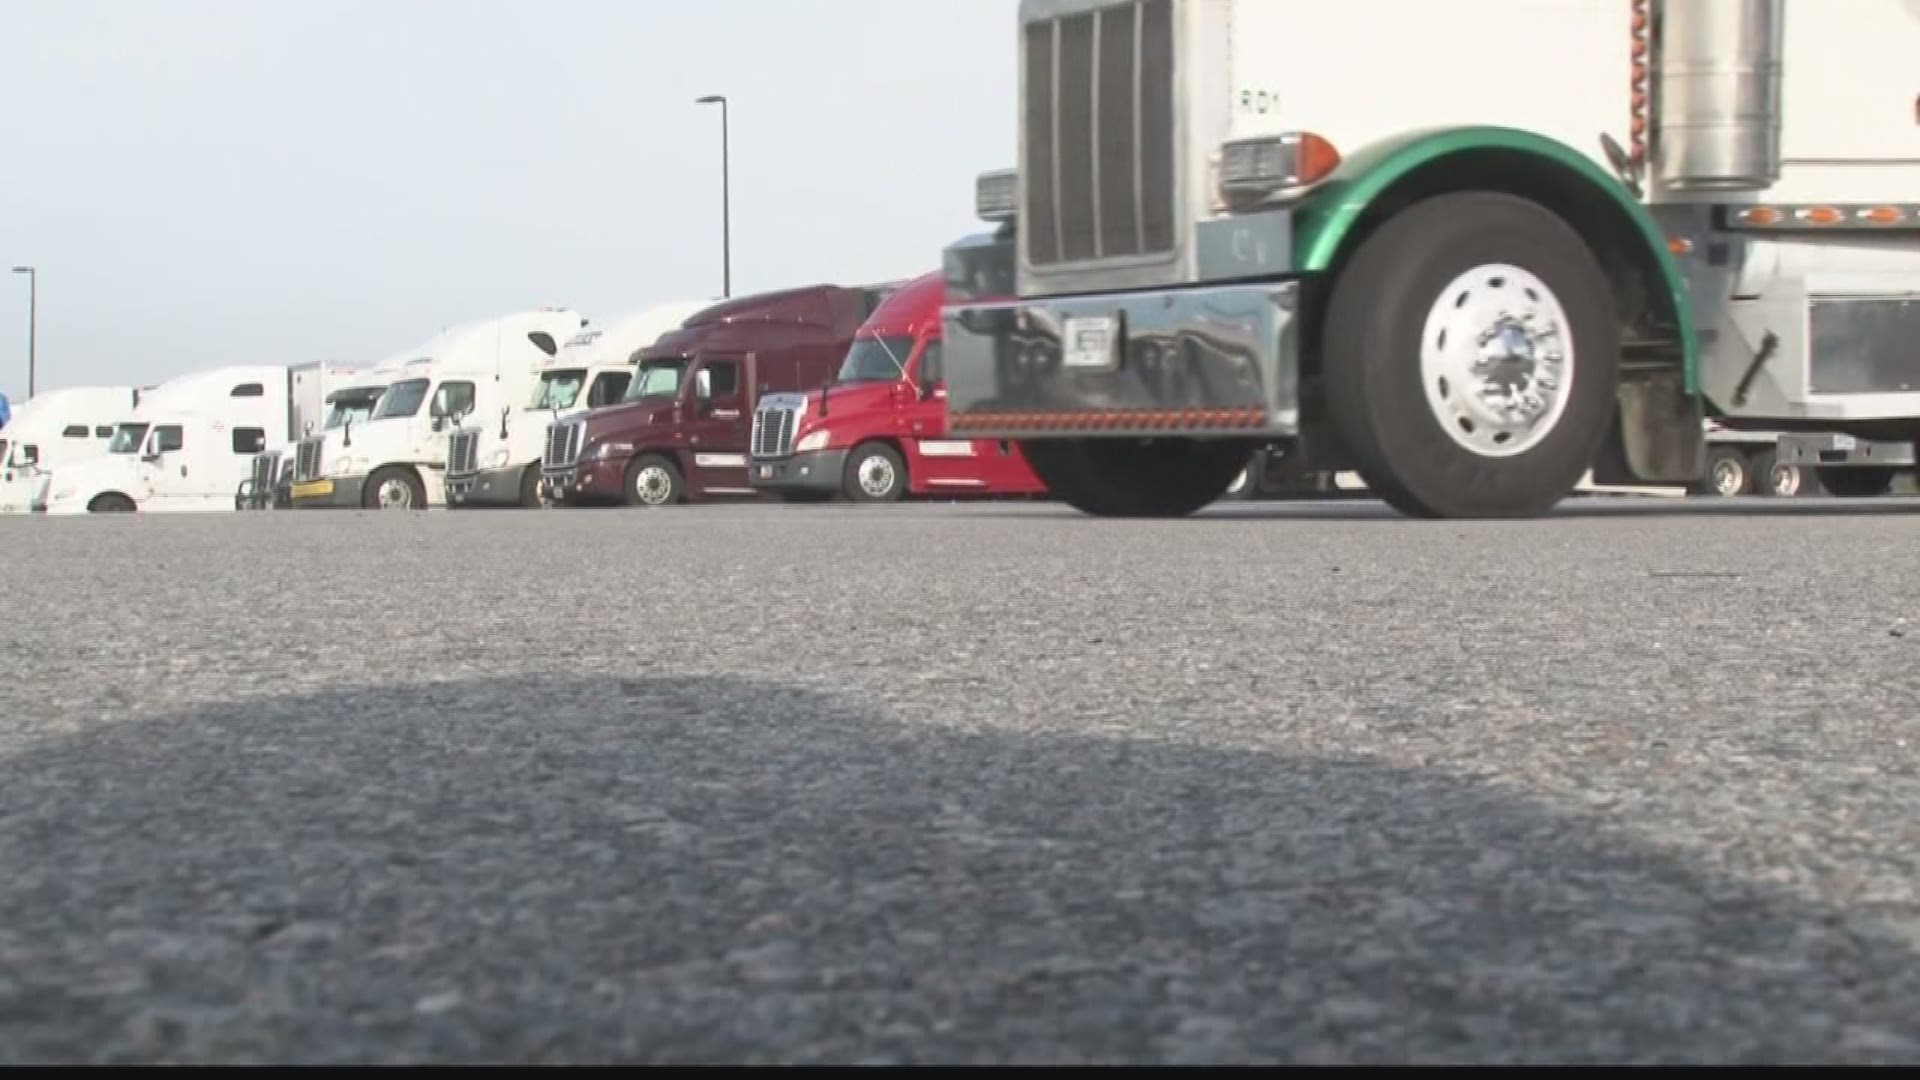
{"x":1285,"y":782}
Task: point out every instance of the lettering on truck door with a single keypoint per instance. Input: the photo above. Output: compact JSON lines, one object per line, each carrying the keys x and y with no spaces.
{"x":716,"y":427}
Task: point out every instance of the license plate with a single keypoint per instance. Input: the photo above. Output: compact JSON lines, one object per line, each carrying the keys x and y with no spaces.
{"x":1845,"y":442}
{"x":766,"y":472}
{"x":1090,"y":341}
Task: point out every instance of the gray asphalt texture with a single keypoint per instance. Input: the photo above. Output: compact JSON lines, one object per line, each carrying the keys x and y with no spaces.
{"x":1281,"y":783}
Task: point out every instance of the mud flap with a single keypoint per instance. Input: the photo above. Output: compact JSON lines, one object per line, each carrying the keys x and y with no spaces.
{"x":1658,"y":434}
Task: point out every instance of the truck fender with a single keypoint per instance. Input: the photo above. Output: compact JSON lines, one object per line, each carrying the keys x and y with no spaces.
{"x":1654,"y":308}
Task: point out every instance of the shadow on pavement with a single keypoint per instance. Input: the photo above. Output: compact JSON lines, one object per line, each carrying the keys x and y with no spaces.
{"x":724,"y":870}
{"x":1624,"y":507}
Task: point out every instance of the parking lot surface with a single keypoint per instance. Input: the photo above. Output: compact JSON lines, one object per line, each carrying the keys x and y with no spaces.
{"x":1284,"y":782}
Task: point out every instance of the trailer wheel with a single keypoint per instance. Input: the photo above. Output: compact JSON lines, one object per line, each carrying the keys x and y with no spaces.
{"x":1472,"y":357}
{"x":874,"y":473}
{"x":1136,"y":477}
{"x":1774,"y":479}
{"x":1856,"y":482}
{"x":653,"y":480}
{"x":394,"y":487}
{"x":1728,"y":474}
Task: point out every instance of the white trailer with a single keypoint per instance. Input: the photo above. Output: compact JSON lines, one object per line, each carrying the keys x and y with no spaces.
{"x":1473,"y":250}
{"x":495,"y":460}
{"x":397,"y":458}
{"x":186,"y":446}
{"x":52,"y":428}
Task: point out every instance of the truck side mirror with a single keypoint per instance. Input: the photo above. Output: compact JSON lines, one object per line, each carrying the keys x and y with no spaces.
{"x":29,"y":456}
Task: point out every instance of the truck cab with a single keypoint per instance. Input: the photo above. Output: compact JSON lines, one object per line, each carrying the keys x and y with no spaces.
{"x":186,"y":447}
{"x":878,"y":430}
{"x":495,"y":460}
{"x":56,"y":427}
{"x":680,"y":432}
{"x":396,"y":458}
{"x":324,"y":398}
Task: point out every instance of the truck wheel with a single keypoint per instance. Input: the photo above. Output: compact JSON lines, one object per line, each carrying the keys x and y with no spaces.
{"x":111,"y":503}
{"x":653,"y":480}
{"x":1728,"y":473}
{"x":874,"y":473}
{"x":1773,"y":479}
{"x":1471,"y":358}
{"x":395,"y":487}
{"x":1136,"y":477}
{"x":1860,"y":482}
{"x":530,"y":487}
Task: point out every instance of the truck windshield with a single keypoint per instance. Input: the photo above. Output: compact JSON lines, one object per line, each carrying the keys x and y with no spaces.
{"x":127,"y":439}
{"x":558,"y":389}
{"x":657,"y":379}
{"x":876,"y":359}
{"x":350,"y":405}
{"x":403,"y":398}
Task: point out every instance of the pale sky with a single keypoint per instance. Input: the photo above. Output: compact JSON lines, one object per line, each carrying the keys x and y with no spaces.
{"x":209,"y":182}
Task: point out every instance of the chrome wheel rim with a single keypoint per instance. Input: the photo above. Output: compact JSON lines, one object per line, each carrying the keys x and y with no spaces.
{"x":1497,"y":360}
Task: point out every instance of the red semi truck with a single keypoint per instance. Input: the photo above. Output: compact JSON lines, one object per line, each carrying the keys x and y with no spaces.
{"x":680,"y":432}
{"x":878,"y":431}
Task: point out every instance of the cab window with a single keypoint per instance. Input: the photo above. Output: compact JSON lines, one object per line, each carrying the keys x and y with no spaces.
{"x":718,"y":380}
{"x":608,"y":388}
{"x":168,"y":438}
{"x":249,"y":440}
{"x":931,"y":373}
{"x":453,"y":399}
{"x":75,"y":431}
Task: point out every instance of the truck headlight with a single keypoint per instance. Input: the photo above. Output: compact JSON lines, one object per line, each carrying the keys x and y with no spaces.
{"x":812,"y":440}
{"x":608,"y":449}
{"x":1254,"y":170}
{"x":996,"y":195}
{"x":497,"y":458}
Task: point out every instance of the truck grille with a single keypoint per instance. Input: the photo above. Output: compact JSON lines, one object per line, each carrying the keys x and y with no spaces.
{"x":773,"y":432}
{"x":266,"y":470}
{"x":1098,"y":118}
{"x":306,"y":460}
{"x":463,"y":453}
{"x":563,"y":446}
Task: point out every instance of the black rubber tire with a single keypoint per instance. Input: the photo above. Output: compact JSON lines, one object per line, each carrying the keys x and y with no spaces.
{"x":676,"y":484}
{"x":530,"y":487}
{"x":1856,"y":482}
{"x":1761,"y":464}
{"x":111,"y":503}
{"x":1371,"y":353}
{"x":1158,"y":478}
{"x":1735,"y":457}
{"x":416,"y":491}
{"x":850,"y":475}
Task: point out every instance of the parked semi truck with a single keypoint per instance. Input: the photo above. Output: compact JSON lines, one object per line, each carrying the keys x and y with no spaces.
{"x":1472,"y":282}
{"x":878,"y":430}
{"x":55,"y":427}
{"x":321,"y":392}
{"x":397,"y":458}
{"x":680,"y":433}
{"x":185,"y":447}
{"x":496,"y":460}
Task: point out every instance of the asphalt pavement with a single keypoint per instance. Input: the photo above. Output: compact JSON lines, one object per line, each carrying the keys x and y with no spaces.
{"x":970,"y":784}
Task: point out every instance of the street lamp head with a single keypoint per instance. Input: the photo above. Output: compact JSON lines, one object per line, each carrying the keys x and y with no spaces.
{"x":711,"y":99}
{"x":23,"y":269}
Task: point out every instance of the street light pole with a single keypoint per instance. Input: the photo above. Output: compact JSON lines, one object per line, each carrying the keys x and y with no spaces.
{"x":726,"y":197}
{"x":33,"y":322}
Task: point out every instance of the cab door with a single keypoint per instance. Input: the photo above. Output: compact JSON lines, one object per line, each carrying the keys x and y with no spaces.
{"x":715,"y":422}
{"x":164,"y":472}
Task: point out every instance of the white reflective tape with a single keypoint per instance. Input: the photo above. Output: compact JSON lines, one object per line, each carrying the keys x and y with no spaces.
{"x":720,"y":461}
{"x":946,"y":447}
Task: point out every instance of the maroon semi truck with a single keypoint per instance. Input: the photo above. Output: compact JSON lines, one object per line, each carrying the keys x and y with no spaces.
{"x":680,"y":434}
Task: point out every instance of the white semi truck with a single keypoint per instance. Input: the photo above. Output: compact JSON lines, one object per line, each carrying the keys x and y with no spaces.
{"x":324,"y":397}
{"x":397,"y":458}
{"x":495,"y":460}
{"x":1473,"y":250}
{"x":55,"y":427}
{"x":186,"y":446}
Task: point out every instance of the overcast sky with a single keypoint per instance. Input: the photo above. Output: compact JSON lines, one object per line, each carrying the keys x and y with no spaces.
{"x":208,"y":182}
